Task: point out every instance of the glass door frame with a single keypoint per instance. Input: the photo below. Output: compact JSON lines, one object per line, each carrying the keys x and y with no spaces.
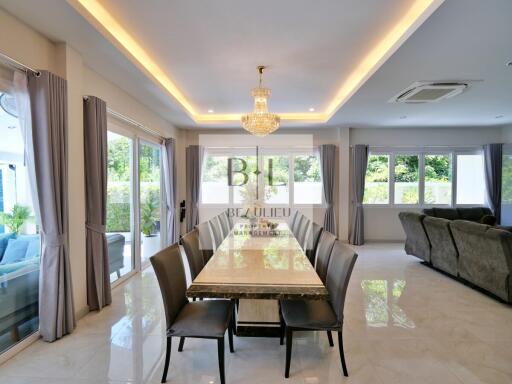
{"x":148,"y":140}
{"x":137,"y":136}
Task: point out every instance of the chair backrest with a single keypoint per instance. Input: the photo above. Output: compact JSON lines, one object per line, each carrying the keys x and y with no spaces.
{"x":297,"y":224}
{"x":231,"y":220}
{"x":171,"y":278}
{"x":192,"y":248}
{"x":325,"y":245}
{"x":292,"y":220}
{"x":224,"y":224}
{"x":303,"y":231}
{"x":340,"y":269}
{"x":312,"y":241}
{"x":205,"y":241}
{"x":217,"y":232}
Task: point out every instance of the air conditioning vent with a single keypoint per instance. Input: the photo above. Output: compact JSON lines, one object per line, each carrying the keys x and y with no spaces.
{"x":424,"y":92}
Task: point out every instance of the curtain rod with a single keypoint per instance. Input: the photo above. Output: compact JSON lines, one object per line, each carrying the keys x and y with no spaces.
{"x":131,"y":121}
{"x":17,"y":65}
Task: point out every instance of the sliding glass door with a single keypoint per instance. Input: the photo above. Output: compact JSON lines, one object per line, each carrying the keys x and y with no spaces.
{"x":20,"y":245}
{"x":133,"y":201}
{"x":150,"y":198}
{"x":120,"y":218}
{"x":506,"y":183}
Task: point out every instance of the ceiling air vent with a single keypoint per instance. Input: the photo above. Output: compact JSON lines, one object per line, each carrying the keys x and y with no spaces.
{"x":425,"y":92}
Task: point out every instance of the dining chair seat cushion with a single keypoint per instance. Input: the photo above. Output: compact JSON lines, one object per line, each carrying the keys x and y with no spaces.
{"x":209,"y":318}
{"x":309,"y":314}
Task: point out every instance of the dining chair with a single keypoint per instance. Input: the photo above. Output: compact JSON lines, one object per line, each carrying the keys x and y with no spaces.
{"x":217,"y":232}
{"x":303,"y":231}
{"x":205,"y":241}
{"x":321,"y":315}
{"x":201,"y":319}
{"x":325,"y":245}
{"x":291,"y":221}
{"x":224,"y":224}
{"x":297,"y":224}
{"x":312,"y":242}
{"x":231,"y":220}
{"x":193,"y":252}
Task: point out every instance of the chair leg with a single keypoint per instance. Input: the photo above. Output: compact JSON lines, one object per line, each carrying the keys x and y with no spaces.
{"x":180,"y":347}
{"x":167,"y":359}
{"x":329,"y":336}
{"x":342,"y":353}
{"x":281,"y":328}
{"x":230,"y":338}
{"x":289,"y":336}
{"x":220,"y":349}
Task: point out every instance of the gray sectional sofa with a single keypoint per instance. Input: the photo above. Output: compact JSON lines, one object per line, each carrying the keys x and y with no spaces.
{"x":453,"y":241}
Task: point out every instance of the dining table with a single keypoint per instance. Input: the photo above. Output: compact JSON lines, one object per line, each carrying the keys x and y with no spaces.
{"x":258,"y":265}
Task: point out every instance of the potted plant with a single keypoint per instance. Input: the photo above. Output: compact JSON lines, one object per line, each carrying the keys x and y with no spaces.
{"x":148,"y":215}
{"x":16,"y":218}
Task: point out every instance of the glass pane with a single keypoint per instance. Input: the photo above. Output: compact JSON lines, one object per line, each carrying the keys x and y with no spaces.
{"x":245,"y":185}
{"x":470,"y":179}
{"x":506,"y":182}
{"x":376,"y":186}
{"x":214,"y":185}
{"x":19,"y":238}
{"x":275,"y":178}
{"x":438,"y":179}
{"x":406,"y":179}
{"x":307,"y":182}
{"x":119,"y":205}
{"x":149,"y":179}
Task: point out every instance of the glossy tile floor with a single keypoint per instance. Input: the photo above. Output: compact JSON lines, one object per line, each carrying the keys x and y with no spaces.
{"x":404,"y":324}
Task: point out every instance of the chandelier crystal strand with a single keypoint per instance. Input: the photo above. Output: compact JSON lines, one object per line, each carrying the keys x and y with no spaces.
{"x":260,"y":122}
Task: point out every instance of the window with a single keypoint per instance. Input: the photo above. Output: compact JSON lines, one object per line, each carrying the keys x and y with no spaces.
{"x":119,"y":205}
{"x":214,"y":186}
{"x":470,"y":179}
{"x":150,"y":197}
{"x":506,"y":182}
{"x":307,"y":182}
{"x":427,"y":177}
{"x":376,"y":186}
{"x":20,"y":248}
{"x":274,"y":177}
{"x":438,"y":179}
{"x":407,"y":179}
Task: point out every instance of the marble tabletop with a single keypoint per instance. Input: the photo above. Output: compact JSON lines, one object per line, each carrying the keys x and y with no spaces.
{"x":257,"y":265}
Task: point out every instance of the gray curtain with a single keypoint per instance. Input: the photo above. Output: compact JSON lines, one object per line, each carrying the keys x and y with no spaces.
{"x":493,"y":155}
{"x":359,"y":164}
{"x":328,"y":165}
{"x":194,"y":159}
{"x":48,"y":101}
{"x":169,"y":162}
{"x":95,"y":152}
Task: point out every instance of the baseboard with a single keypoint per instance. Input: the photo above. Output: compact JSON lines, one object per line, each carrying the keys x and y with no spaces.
{"x":81,"y":313}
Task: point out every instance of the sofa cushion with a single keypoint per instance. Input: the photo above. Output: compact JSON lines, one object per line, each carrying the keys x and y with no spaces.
{"x":15,"y":251}
{"x":4,"y":238}
{"x":446,"y":213}
{"x":34,"y":246}
{"x":470,"y":214}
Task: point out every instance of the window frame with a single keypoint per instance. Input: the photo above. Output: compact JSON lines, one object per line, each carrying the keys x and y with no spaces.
{"x":264,"y":151}
{"x":421,"y":153}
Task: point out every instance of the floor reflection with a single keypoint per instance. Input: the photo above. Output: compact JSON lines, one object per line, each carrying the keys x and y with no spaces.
{"x":381,"y":303}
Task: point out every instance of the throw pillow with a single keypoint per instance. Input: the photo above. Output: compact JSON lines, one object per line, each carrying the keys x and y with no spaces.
{"x":15,"y":251}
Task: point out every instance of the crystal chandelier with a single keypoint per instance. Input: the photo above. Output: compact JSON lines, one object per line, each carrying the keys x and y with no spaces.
{"x":260,"y":122}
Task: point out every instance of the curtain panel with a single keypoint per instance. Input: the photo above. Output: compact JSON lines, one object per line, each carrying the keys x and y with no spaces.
{"x":493,"y":158}
{"x":359,"y":165}
{"x":194,"y":160}
{"x":48,"y":104}
{"x":329,"y":169}
{"x":95,"y":160}
{"x":169,"y":169}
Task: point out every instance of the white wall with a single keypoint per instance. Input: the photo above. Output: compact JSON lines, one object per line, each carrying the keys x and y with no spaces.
{"x":29,"y":47}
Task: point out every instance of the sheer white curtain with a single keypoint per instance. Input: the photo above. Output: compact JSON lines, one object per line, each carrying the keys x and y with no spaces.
{"x":20,"y":92}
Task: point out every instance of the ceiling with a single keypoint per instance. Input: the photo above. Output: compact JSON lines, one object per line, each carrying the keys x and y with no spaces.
{"x":207,"y":53}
